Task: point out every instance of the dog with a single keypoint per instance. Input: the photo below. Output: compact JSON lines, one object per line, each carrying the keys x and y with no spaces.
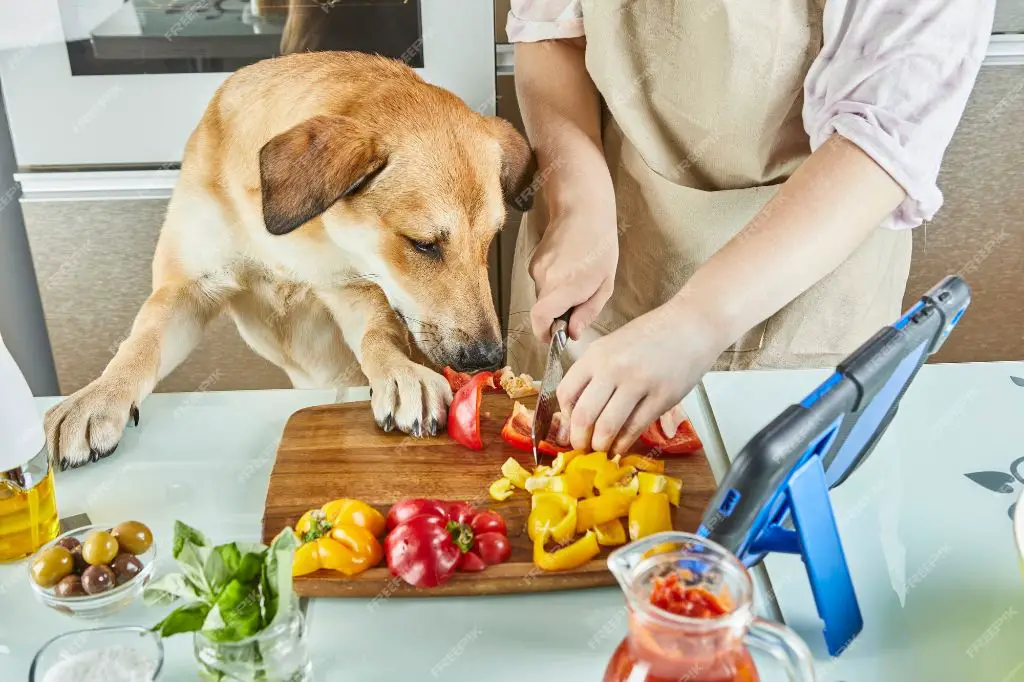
{"x":340,"y":209}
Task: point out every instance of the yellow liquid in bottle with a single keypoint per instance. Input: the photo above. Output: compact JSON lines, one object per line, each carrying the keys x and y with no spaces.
{"x":28,"y":518}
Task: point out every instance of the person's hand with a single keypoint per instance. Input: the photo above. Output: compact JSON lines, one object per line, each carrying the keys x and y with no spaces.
{"x":623,"y":382}
{"x":574,"y":266}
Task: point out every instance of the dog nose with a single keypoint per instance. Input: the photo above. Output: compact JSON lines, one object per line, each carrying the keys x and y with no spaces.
{"x":480,"y":355}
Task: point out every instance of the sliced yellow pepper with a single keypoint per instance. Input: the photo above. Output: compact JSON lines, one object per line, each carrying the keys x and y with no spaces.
{"x":642,"y":463}
{"x":611,"y":533}
{"x":648,"y":514}
{"x":660,"y":483}
{"x":629,"y":489}
{"x":593,"y":460}
{"x":571,"y":556}
{"x":343,"y":510}
{"x":501,"y":489}
{"x":542,"y":470}
{"x":562,"y":460}
{"x":554,"y":515}
{"x":581,"y":483}
{"x":594,"y":511}
{"x":612,"y":475}
{"x":515,"y":472}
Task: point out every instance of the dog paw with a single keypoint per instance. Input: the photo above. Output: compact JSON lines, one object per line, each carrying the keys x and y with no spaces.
{"x":87,"y":426}
{"x":411,"y":398}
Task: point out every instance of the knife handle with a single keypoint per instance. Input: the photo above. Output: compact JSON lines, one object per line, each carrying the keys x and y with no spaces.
{"x":561,"y":323}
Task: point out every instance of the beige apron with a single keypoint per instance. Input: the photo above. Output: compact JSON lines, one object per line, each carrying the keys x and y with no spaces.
{"x":703,"y":103}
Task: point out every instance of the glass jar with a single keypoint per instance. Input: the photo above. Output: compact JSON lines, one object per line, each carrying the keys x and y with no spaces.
{"x":662,"y":646}
{"x":28,"y":508}
{"x":277,"y":654}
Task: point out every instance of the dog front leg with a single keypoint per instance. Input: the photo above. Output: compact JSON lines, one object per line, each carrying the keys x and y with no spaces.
{"x":87,"y":426}
{"x":403,"y":393}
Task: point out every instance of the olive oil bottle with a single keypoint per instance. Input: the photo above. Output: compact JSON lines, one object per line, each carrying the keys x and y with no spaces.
{"x":28,"y":507}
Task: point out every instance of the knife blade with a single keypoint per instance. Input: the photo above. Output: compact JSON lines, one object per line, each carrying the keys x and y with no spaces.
{"x":553,"y":372}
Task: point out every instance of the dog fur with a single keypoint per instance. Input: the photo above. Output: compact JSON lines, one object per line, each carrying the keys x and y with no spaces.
{"x":335,"y":205}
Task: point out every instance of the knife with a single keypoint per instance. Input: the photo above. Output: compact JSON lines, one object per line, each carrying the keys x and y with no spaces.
{"x":553,"y":372}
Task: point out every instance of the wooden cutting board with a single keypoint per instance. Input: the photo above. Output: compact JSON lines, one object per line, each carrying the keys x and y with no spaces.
{"x":335,"y":451}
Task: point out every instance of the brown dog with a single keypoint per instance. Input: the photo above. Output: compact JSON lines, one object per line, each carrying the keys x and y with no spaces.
{"x":333,"y":204}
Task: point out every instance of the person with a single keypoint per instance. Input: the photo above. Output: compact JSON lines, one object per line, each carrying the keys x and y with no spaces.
{"x":724,"y":184}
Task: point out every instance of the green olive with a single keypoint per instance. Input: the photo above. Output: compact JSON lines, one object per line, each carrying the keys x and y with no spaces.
{"x":51,"y":566}
{"x":99,"y":548}
{"x":133,"y":537}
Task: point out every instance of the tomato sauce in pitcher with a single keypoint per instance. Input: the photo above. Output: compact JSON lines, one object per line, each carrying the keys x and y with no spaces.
{"x":690,"y":616}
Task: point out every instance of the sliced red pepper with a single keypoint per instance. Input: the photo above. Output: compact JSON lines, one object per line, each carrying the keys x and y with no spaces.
{"x":517,"y":432}
{"x":464,"y":412}
{"x":458,"y":379}
{"x":684,"y":441}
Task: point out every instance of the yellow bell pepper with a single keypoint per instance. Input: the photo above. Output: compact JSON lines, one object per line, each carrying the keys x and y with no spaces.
{"x":593,"y":511}
{"x":347,"y":548}
{"x":501,"y":489}
{"x":562,"y":460}
{"x":515,"y":472}
{"x":629,"y":489}
{"x":554,"y":515}
{"x":643,"y":463}
{"x":648,"y":514}
{"x":542,"y":470}
{"x":613,"y":475}
{"x":611,"y":533}
{"x":344,"y":510}
{"x":575,"y":484}
{"x":570,"y":556}
{"x":660,"y":483}
{"x":593,"y":460}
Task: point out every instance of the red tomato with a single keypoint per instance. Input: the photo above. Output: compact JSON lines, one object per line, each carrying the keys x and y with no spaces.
{"x":488,"y":522}
{"x":693,"y":602}
{"x":493,"y":547}
{"x":684,"y":441}
{"x":464,"y":412}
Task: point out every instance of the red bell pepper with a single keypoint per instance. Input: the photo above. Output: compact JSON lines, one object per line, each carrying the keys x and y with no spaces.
{"x":464,"y":412}
{"x":459,"y":379}
{"x":517,"y":429}
{"x":428,"y":540}
{"x":684,"y":441}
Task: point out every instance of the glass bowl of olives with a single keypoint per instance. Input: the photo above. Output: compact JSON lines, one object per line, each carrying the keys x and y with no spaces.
{"x":93,"y":571}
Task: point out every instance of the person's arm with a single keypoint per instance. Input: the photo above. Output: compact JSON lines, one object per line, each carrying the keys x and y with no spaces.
{"x":819,"y":216}
{"x":562,"y":114}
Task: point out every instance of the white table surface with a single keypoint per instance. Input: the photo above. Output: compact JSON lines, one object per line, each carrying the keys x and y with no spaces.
{"x":931,"y":552}
{"x":205,"y":458}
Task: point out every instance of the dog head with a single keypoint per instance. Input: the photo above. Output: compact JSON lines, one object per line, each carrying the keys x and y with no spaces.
{"x":413,"y":186}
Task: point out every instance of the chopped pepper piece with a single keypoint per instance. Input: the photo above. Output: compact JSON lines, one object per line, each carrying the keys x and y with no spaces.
{"x":562,"y":460}
{"x":611,"y":533}
{"x":659,"y":483}
{"x":612,"y":475}
{"x":565,"y":558}
{"x":630,"y":489}
{"x":593,"y":511}
{"x":644,"y":463}
{"x":554,"y":515}
{"x":515,"y":472}
{"x":501,"y":489}
{"x":648,"y":514}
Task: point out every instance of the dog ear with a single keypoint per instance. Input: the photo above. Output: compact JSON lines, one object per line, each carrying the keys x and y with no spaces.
{"x":518,"y":165}
{"x":306,"y":169}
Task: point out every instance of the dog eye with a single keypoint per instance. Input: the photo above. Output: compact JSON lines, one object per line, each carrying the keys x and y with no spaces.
{"x":431,"y":249}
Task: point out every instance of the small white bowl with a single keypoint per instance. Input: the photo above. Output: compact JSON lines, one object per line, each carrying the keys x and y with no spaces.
{"x":94,"y":605}
{"x":145,"y":643}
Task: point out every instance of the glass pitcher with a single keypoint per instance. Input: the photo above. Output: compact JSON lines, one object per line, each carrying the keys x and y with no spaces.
{"x":662,"y":646}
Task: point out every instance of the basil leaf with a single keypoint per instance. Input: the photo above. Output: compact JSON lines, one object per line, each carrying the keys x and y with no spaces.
{"x":167,"y":589}
{"x":192,"y":560}
{"x":183,"y":533}
{"x":188,"y":618}
{"x":277,"y":574}
{"x":239,"y":606}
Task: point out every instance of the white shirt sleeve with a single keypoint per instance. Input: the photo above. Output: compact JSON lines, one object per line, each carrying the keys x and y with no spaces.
{"x":893,"y":77}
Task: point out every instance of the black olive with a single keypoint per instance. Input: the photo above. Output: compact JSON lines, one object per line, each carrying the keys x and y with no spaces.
{"x":125,"y":567}
{"x":97,"y":579}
